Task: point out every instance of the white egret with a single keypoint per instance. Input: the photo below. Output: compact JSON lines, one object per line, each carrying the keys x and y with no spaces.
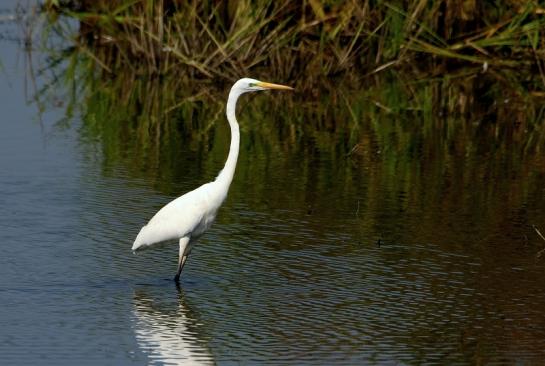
{"x":187,"y":217}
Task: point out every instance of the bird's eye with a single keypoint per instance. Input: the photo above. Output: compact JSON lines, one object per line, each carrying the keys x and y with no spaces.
{"x":251,"y":85}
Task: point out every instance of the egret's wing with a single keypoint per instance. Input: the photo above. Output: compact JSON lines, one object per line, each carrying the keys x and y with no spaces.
{"x":175,"y":220}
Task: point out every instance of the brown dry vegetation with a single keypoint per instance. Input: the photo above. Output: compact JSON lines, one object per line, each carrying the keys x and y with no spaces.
{"x":307,"y":41}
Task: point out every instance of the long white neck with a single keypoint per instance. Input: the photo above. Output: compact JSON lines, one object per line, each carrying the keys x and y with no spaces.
{"x":225,"y":177}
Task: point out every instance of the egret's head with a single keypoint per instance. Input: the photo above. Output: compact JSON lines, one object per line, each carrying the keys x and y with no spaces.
{"x":247,"y":85}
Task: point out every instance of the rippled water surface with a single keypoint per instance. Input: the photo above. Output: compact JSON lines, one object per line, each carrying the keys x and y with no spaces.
{"x":314,"y":258}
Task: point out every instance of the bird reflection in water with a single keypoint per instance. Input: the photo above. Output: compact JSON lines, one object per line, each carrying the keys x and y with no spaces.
{"x":169,"y":333}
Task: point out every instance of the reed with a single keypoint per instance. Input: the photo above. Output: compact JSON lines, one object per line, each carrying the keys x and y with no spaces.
{"x":306,"y":42}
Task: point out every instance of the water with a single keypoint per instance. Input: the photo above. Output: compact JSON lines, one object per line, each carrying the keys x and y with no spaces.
{"x":315,"y":258}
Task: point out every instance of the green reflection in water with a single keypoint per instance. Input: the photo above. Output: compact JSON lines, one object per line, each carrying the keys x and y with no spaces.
{"x":434,"y":153}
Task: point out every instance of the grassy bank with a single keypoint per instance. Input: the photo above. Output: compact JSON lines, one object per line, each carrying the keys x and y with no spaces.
{"x":306,"y":42}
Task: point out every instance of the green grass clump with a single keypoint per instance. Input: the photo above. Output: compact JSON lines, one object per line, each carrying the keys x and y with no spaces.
{"x":306,"y":42}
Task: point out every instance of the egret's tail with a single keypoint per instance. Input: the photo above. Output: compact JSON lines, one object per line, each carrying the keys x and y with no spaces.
{"x":141,"y":240}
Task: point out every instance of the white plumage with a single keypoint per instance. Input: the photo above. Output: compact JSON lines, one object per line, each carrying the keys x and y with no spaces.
{"x":189,"y":216}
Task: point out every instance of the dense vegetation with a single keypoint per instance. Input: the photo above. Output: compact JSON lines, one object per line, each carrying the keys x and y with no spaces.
{"x":162,"y":54}
{"x":307,"y":41}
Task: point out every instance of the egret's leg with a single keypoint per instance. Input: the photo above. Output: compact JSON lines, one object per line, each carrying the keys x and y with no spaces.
{"x":181,"y":257}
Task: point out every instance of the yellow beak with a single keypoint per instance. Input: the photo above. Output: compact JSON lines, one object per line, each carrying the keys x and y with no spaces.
{"x":273,"y":86}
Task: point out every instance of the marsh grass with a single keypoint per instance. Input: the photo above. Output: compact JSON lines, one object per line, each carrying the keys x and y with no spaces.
{"x":162,"y":59}
{"x":305,"y":42}
{"x":186,"y":51}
